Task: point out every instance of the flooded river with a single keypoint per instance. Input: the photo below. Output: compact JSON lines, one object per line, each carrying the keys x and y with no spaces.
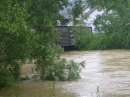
{"x":107,"y":73}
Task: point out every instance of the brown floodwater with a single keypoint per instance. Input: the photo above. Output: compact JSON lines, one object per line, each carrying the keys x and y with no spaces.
{"x":106,"y":73}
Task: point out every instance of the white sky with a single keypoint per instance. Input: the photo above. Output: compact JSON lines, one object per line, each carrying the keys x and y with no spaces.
{"x":65,"y":10}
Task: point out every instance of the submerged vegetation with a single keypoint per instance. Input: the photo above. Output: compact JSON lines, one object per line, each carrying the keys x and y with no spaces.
{"x":61,"y":70}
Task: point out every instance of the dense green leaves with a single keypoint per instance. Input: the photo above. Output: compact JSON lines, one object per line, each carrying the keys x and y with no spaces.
{"x":27,"y":32}
{"x":83,"y":36}
{"x":113,"y":25}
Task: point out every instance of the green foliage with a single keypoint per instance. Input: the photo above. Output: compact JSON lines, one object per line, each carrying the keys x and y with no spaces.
{"x":74,"y":69}
{"x":52,"y":89}
{"x":98,"y":42}
{"x":6,"y":79}
{"x":113,"y":24}
{"x":82,"y":35}
{"x":103,"y":41}
{"x":14,"y":33}
{"x":98,"y":92}
{"x":77,"y":10}
{"x":60,"y":69}
{"x":27,"y":31}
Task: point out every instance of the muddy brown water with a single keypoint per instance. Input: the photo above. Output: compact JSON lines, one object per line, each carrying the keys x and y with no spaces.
{"x":108,"y":70}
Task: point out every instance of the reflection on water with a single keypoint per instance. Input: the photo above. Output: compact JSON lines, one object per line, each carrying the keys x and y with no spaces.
{"x":109,"y":70}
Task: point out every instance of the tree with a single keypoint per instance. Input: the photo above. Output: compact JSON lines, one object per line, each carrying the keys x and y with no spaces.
{"x":27,"y":32}
{"x":13,"y":38}
{"x":114,"y":24}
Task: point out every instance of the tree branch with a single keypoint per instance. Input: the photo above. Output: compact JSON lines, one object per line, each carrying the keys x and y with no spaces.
{"x":43,"y":8}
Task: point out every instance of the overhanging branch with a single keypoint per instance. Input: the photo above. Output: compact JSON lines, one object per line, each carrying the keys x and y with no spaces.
{"x":43,"y":8}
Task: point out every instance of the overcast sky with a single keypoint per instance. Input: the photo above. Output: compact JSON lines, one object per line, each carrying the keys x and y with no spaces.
{"x":65,"y":10}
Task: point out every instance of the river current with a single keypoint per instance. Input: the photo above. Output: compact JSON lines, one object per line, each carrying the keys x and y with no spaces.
{"x":106,"y":74}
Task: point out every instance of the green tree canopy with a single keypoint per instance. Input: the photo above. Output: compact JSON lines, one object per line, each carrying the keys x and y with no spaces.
{"x":114,"y":23}
{"x":27,"y":32}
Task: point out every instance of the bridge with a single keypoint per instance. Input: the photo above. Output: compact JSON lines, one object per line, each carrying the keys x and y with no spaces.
{"x":67,"y":35}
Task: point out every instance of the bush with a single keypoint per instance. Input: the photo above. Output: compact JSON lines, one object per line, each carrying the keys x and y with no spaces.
{"x":60,"y":70}
{"x":102,"y":41}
